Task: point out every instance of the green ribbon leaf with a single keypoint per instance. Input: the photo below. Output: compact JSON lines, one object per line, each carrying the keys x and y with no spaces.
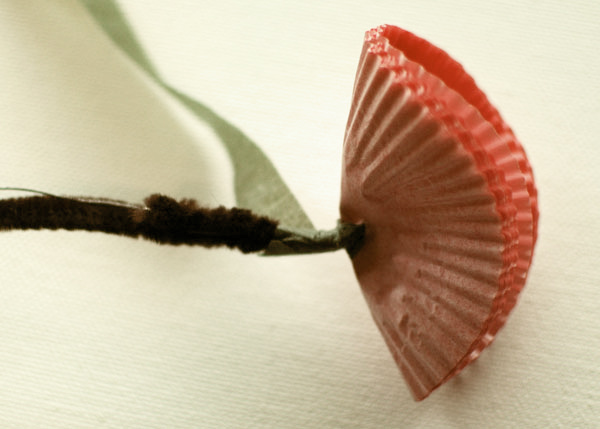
{"x":258,"y":185}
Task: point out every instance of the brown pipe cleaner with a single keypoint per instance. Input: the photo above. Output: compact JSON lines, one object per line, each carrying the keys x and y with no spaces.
{"x":162,"y":219}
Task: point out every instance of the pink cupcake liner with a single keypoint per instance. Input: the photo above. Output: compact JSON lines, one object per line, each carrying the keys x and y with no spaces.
{"x":448,"y":200}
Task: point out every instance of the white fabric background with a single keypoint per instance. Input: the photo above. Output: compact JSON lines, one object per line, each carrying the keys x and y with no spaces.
{"x":107,"y":332}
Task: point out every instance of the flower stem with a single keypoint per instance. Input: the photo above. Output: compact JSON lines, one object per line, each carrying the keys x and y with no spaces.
{"x":289,"y":241}
{"x":167,"y":221}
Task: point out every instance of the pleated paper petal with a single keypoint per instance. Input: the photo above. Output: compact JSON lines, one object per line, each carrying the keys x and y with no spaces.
{"x":448,"y":200}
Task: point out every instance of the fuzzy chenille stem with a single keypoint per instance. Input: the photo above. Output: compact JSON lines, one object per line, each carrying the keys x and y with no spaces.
{"x":167,"y":221}
{"x":161,"y":219}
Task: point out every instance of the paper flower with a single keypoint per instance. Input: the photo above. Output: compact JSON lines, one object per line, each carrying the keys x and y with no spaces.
{"x":447,"y":198}
{"x":438,"y":209}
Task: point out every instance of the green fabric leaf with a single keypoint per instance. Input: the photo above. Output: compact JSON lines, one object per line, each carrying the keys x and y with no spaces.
{"x":258,"y":185}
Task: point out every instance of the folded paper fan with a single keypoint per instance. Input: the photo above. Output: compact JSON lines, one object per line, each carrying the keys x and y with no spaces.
{"x":448,"y":201}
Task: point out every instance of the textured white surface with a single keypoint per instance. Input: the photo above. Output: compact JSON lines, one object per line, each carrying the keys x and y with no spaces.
{"x":107,"y":332}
